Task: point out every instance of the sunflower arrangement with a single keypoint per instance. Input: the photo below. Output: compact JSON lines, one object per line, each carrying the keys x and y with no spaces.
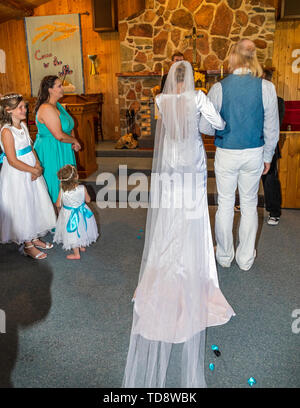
{"x":126,"y":142}
{"x":199,"y":78}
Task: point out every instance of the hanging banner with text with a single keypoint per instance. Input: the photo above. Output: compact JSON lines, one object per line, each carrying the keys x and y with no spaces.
{"x":54,"y":48}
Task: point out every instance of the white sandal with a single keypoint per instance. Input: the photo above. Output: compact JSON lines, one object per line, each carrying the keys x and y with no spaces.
{"x":38,"y":256}
{"x":48,"y":245}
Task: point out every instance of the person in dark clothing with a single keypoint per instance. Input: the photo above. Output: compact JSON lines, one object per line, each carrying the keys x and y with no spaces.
{"x":177,"y":56}
{"x":271,"y":183}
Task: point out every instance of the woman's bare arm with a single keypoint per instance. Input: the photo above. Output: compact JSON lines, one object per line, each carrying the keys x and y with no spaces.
{"x":58,"y":201}
{"x":86,"y":196}
{"x":49,"y":116}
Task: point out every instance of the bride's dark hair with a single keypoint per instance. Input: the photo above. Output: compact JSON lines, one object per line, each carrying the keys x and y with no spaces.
{"x":43,"y":95}
{"x":180,"y":72}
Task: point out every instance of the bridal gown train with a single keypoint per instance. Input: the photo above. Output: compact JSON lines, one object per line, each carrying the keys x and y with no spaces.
{"x":178,"y":294}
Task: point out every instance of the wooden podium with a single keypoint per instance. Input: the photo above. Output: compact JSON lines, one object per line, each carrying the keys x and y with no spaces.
{"x":289,"y":169}
{"x":83,"y":112}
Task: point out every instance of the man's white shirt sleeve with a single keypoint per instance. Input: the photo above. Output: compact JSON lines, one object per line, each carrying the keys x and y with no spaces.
{"x":215,"y":96}
{"x":271,"y":119}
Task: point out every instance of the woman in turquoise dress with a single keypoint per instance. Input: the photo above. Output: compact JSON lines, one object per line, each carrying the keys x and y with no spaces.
{"x":55,"y":142}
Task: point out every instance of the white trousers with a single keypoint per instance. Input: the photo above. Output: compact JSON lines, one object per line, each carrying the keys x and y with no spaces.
{"x":242,"y":169}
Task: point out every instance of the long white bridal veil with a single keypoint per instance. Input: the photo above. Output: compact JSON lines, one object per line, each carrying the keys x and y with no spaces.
{"x":178,"y":293}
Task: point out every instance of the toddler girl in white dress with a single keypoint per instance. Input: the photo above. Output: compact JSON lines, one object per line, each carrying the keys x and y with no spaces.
{"x":26,"y":211}
{"x":76,"y":226}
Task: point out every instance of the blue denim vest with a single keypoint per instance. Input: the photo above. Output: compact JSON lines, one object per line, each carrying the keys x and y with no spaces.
{"x":243,"y":111}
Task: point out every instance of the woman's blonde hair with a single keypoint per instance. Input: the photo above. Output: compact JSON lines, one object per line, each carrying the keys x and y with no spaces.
{"x":67,"y":175}
{"x":243,"y":55}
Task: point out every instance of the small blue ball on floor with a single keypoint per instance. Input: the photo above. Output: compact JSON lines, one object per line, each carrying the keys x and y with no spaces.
{"x":251,"y":381}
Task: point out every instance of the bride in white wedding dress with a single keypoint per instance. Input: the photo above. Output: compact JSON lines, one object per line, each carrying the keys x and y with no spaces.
{"x":178,"y":294}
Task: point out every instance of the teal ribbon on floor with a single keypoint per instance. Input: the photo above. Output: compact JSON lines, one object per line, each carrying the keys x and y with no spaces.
{"x":20,"y":152}
{"x":73,"y":222}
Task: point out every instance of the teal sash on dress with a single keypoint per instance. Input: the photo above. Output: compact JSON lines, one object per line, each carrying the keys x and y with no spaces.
{"x":73,"y":222}
{"x":20,"y":152}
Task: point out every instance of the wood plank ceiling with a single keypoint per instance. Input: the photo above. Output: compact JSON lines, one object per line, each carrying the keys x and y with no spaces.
{"x":16,"y":9}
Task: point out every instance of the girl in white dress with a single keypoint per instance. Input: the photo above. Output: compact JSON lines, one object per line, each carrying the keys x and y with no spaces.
{"x":76,"y":226}
{"x":26,"y":211}
{"x":178,"y":294}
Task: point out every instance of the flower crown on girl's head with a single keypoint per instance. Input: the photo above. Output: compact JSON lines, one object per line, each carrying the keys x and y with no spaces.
{"x":10,"y":96}
{"x":70,"y":176}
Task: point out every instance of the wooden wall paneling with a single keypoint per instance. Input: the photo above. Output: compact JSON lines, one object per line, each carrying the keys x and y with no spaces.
{"x":283,"y":59}
{"x":297,"y":37}
{"x":3,"y":77}
{"x":15,"y":9}
{"x":289,"y":75}
{"x":283,"y":167}
{"x":285,"y":64}
{"x":13,"y":42}
{"x":287,"y":82}
{"x":289,"y":169}
{"x":281,"y":63}
{"x":287,"y":38}
{"x":128,"y":8}
{"x":91,"y":45}
{"x":276,"y":53}
{"x":293,"y":172}
{"x":293,"y":77}
{"x":106,"y":46}
{"x":20,"y":61}
{"x":108,"y":66}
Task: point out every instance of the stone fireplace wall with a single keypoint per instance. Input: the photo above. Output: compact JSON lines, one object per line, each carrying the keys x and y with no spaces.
{"x":149,"y":39}
{"x":135,"y":94}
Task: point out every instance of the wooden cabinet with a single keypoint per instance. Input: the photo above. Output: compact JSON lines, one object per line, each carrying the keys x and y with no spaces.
{"x":83,"y":112}
{"x":30,"y":116}
{"x":289,"y":169}
{"x":105,"y":15}
{"x":98,"y":98}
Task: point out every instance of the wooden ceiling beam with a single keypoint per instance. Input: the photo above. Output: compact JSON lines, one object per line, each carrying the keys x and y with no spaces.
{"x":24,"y":7}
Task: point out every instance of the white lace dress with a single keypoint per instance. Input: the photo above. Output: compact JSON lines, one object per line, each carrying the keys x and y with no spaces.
{"x":178,"y":294}
{"x":26,"y":210}
{"x":76,"y":225}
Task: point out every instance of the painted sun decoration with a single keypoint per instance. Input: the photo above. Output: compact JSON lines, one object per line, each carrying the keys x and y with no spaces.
{"x":49,"y":30}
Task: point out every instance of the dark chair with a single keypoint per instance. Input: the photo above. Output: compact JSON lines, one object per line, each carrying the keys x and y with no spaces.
{"x":30,"y":117}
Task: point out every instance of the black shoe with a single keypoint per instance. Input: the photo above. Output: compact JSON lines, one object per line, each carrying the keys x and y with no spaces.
{"x":273,"y":220}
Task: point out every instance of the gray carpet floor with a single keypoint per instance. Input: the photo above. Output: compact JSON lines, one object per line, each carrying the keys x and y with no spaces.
{"x":68,"y":322}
